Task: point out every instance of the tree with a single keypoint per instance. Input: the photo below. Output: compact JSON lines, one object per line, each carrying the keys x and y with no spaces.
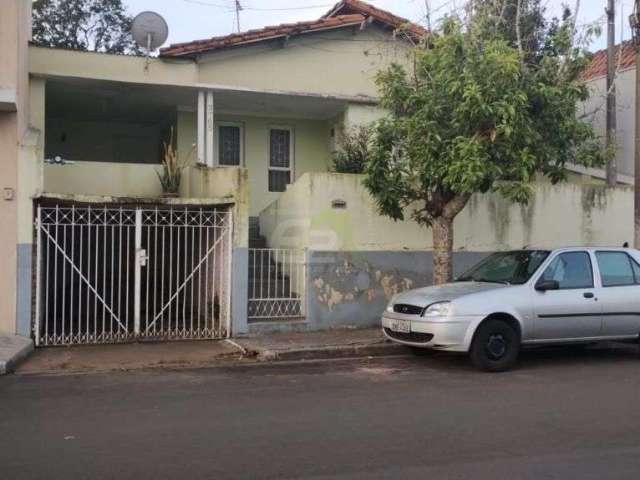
{"x":474,"y":117}
{"x":514,"y":20}
{"x":95,"y":25}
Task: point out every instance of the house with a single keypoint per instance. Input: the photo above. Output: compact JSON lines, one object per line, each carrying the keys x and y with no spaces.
{"x":262,"y":235}
{"x":594,"y":109}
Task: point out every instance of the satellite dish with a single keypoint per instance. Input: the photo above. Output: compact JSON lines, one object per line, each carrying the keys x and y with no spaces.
{"x":149,"y":30}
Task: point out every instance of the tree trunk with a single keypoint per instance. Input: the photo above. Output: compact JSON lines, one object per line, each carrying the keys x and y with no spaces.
{"x":442,"y":245}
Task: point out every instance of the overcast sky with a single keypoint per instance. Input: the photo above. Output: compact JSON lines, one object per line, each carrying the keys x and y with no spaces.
{"x":197,"y":19}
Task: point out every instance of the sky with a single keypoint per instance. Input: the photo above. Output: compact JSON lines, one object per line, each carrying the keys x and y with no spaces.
{"x":198,"y":19}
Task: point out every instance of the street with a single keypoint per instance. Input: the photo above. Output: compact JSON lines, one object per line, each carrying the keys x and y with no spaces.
{"x":563,"y":413}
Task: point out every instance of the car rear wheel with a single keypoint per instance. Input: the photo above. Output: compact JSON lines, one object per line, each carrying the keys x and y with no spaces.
{"x":495,"y":346}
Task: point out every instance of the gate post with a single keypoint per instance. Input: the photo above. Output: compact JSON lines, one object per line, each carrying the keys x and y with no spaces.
{"x":137,"y":273}
{"x":38,"y":275}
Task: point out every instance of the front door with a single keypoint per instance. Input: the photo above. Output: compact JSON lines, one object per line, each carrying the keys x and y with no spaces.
{"x":573,"y":310}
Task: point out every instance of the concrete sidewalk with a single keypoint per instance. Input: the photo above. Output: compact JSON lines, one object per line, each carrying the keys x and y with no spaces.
{"x":193,"y":354}
{"x":13,"y":349}
{"x":323,"y":344}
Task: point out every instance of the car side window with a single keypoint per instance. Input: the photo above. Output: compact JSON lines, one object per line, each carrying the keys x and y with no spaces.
{"x":570,"y":270}
{"x":617,"y":269}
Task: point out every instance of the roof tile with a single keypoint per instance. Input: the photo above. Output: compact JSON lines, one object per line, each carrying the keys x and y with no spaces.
{"x":344,"y":13}
{"x":598,"y":65}
{"x":216,"y":43}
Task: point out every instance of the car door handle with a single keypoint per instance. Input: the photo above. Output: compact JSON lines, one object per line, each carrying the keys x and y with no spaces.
{"x":588,"y":295}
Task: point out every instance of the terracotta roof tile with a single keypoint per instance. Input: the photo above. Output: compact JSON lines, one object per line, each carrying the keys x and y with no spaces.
{"x":250,"y":36}
{"x":598,"y":65}
{"x":344,"y":13}
{"x":363,"y":8}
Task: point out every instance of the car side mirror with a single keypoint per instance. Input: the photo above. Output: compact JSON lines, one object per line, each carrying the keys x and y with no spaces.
{"x":544,"y":285}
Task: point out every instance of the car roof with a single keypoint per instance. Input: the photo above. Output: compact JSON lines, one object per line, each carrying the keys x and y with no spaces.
{"x":580,"y":247}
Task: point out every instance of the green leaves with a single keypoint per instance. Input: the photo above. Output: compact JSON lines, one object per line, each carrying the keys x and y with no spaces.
{"x":473,"y":117}
{"x":96,"y":25}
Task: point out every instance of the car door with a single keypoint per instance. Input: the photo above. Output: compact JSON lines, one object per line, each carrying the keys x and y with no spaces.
{"x":572,"y":310}
{"x":620,"y":293}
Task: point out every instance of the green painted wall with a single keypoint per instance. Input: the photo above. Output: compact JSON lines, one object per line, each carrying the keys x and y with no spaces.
{"x":339,"y":62}
{"x":311,"y":149}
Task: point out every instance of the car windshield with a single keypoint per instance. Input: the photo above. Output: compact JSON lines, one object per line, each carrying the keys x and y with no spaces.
{"x":510,"y":268}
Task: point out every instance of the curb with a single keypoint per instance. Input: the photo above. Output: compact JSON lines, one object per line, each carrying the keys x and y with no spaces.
{"x":328,"y":352}
{"x":8,"y":365}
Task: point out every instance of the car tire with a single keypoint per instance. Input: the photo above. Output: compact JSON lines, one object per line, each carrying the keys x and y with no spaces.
{"x":495,"y":346}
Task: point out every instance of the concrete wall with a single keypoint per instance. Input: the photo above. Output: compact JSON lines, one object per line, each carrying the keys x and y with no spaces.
{"x":311,"y":149}
{"x":351,"y":289}
{"x":625,"y":117}
{"x":45,"y":62}
{"x":102,"y":178}
{"x":566,"y":214}
{"x":357,"y":260}
{"x":15,"y":32}
{"x":342,"y":62}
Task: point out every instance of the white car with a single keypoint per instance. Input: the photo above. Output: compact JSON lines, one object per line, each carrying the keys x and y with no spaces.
{"x":523,"y":297}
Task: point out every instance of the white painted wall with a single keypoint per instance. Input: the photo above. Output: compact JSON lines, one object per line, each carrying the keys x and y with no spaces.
{"x":625,"y":98}
{"x":560,"y":215}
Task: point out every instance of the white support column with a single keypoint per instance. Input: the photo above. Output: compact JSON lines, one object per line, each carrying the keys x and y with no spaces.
{"x":210,"y":130}
{"x":201,"y":115}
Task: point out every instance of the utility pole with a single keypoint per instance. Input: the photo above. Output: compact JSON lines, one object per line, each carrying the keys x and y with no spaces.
{"x":238,"y":10}
{"x":634,"y":21}
{"x":612,"y":171}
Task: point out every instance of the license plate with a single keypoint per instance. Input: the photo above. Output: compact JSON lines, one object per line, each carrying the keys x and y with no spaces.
{"x":402,"y":326}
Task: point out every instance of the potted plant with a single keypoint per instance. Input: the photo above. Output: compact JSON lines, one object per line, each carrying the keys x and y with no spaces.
{"x":172,"y":168}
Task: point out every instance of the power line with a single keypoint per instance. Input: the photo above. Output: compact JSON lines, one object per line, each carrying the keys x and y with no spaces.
{"x":232,"y":9}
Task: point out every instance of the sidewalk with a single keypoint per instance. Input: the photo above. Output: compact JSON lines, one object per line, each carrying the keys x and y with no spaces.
{"x":194,"y":354}
{"x":323,"y":344}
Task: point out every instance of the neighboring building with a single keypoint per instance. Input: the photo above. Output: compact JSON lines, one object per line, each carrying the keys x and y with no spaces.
{"x":595,"y":109}
{"x":262,"y":236}
{"x":16,"y":145}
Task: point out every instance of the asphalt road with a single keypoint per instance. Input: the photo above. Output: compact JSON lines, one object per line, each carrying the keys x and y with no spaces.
{"x":561,"y":414}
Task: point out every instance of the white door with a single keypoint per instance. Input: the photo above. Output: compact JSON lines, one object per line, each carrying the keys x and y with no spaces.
{"x":572,"y":310}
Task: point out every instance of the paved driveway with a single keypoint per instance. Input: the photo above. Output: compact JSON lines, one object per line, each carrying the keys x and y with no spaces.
{"x":562,"y":414}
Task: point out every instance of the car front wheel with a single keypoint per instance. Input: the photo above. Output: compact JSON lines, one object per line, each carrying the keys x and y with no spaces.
{"x":495,"y":346}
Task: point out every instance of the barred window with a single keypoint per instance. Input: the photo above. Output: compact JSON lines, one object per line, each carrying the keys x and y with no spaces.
{"x":279,"y":159}
{"x":229,"y":145}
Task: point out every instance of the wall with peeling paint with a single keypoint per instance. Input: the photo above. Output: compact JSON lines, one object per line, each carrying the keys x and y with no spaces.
{"x":334,"y":212}
{"x":351,"y":289}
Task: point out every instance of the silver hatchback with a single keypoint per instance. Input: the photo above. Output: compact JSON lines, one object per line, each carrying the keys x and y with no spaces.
{"x":523,"y":297}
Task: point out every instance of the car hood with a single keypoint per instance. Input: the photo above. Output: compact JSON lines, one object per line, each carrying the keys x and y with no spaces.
{"x":442,"y":293}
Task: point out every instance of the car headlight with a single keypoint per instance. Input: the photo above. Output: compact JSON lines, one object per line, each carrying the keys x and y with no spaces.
{"x":439,"y":309}
{"x":390,"y":307}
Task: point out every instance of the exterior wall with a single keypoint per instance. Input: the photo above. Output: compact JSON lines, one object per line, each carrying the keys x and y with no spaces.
{"x":15,"y":32}
{"x":352,"y":289}
{"x":625,"y":117}
{"x":338,"y":62}
{"x":567,"y":214}
{"x":118,"y":68}
{"x":102,"y":178}
{"x":311,"y":150}
{"x":357,"y":260}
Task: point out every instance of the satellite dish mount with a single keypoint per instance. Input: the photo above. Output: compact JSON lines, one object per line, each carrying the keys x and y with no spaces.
{"x":149,"y":31}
